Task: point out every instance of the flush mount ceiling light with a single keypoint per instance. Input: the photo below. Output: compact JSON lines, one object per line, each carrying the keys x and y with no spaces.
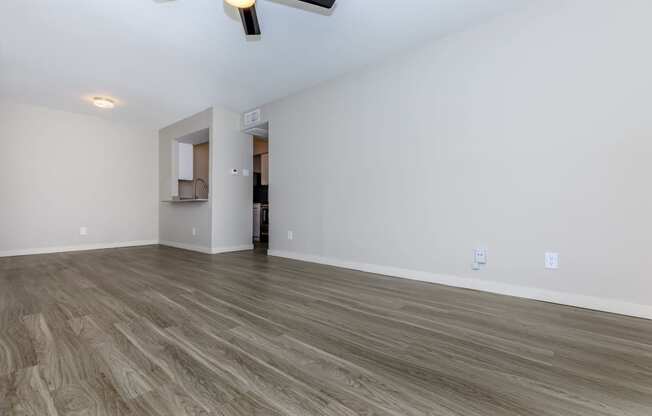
{"x":103,"y":102}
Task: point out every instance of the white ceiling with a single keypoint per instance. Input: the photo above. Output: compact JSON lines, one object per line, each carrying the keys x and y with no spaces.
{"x":165,"y":61}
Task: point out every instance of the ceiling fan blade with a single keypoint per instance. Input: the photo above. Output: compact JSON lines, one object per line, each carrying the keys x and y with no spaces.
{"x":250,"y":21}
{"x":321,"y":3}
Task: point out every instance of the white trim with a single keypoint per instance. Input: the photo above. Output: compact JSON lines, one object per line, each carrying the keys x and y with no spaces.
{"x":217,"y":250}
{"x":81,"y":247}
{"x":570,"y":299}
{"x":207,"y":250}
{"x":101,"y":246}
{"x":184,"y":246}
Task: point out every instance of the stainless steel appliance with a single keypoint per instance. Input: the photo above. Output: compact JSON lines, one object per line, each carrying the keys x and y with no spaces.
{"x":257,"y":217}
{"x":264,"y":223}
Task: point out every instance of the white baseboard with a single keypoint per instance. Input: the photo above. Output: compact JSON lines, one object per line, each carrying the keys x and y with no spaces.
{"x":207,"y":250}
{"x":217,"y":250}
{"x":101,"y":246}
{"x":81,"y":247}
{"x":184,"y":246}
{"x":569,"y":299}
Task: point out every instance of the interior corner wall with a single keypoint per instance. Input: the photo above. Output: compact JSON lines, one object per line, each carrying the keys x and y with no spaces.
{"x":60,"y":171}
{"x":529,"y":134}
{"x":176,"y":220}
{"x":232,"y":198}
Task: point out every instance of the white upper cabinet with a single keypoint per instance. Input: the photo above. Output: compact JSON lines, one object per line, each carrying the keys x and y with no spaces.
{"x":186,"y":162}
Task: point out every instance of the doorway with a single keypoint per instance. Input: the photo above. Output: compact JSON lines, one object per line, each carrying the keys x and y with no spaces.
{"x":261,"y":192}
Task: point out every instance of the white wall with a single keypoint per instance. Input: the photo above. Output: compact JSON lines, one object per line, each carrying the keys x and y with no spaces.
{"x":232,"y":198}
{"x":178,"y":219}
{"x":60,"y":171}
{"x":529,"y":134}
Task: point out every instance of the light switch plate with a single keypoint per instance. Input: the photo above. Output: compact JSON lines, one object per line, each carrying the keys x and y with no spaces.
{"x":290,"y":235}
{"x":552,"y":260}
{"x":245,"y":172}
{"x":83,"y":230}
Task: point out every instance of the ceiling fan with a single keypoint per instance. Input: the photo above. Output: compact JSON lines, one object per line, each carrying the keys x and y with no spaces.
{"x":247,"y":9}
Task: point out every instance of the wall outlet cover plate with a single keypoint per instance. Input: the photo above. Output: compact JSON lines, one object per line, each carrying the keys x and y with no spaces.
{"x":480,"y":256}
{"x":552,"y":260}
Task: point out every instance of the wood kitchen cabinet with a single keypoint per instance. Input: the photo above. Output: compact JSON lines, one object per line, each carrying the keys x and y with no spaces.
{"x":264,"y":169}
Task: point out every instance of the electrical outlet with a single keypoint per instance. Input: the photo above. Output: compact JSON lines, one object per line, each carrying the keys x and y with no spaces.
{"x":552,"y":260}
{"x":480,"y":256}
{"x":194,"y":231}
{"x":83,"y":230}
{"x":290,"y":235}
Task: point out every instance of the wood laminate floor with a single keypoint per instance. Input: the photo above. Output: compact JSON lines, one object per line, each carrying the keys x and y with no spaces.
{"x":160,"y":331}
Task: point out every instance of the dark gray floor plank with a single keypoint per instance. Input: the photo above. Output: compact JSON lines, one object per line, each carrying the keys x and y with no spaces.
{"x":161,"y":331}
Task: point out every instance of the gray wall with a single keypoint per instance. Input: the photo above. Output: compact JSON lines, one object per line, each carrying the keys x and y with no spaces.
{"x":233,"y":195}
{"x":60,"y":171}
{"x":525,"y":135}
{"x":225,"y":222}
{"x":176,"y":220}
